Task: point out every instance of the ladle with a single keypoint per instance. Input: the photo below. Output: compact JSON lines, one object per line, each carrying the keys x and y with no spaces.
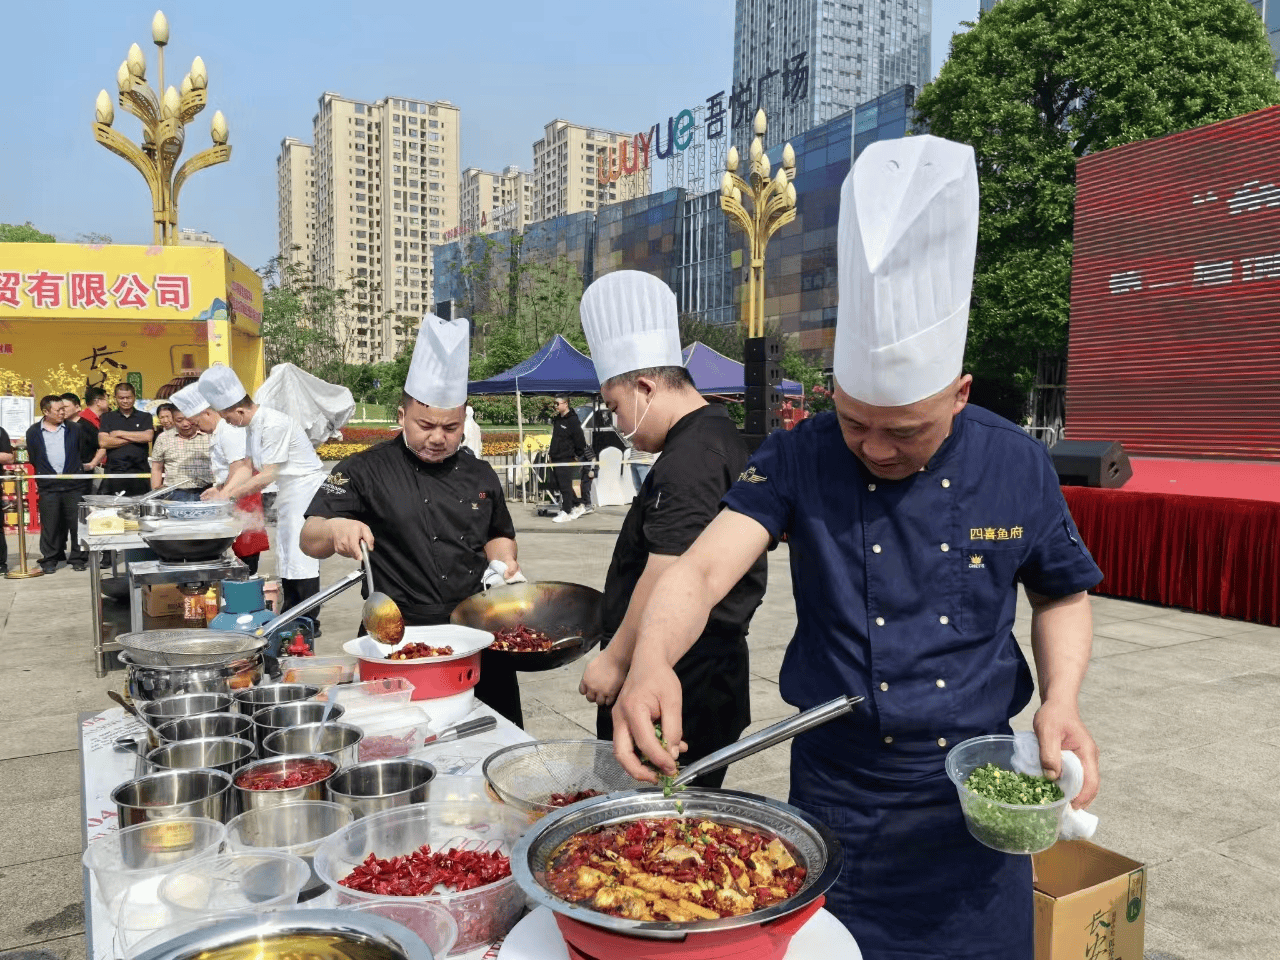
{"x":382,"y":618}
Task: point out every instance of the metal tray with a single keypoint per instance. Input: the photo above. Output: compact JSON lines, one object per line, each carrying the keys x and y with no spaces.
{"x":813,"y":845}
{"x":181,"y":648}
{"x":557,"y":609}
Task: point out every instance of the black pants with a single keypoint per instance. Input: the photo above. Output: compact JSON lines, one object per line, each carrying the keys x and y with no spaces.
{"x":125,"y":486}
{"x":587,"y":480}
{"x":58,"y":521}
{"x":717,"y":703}
{"x":293,"y":592}
{"x":251,"y":561}
{"x":564,"y":484}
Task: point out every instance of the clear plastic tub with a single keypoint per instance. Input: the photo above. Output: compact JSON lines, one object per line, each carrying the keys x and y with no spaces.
{"x":433,"y":924}
{"x":296,"y":828}
{"x":257,"y":881}
{"x":482,"y":914}
{"x":357,"y":697}
{"x":319,"y":671}
{"x":1009,"y":828}
{"x":396,"y":733}
{"x":146,"y":852}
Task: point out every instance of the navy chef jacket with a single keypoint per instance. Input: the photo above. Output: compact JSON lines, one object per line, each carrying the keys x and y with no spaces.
{"x":905,"y":590}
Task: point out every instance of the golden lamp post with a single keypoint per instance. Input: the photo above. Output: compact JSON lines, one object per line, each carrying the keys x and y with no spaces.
{"x":773,"y":206}
{"x":164,"y":119}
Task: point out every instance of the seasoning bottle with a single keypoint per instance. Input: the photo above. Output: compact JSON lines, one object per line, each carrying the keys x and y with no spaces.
{"x":192,"y":604}
{"x":210,"y":604}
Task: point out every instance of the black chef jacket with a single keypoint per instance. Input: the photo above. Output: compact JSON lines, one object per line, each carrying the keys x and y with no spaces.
{"x":431,"y":522}
{"x":701,"y":459}
{"x":132,"y":457}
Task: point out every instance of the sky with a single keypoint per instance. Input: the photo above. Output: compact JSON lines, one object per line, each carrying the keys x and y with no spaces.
{"x":511,"y":67}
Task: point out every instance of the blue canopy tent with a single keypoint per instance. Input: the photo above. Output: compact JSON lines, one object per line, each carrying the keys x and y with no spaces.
{"x":715,"y":374}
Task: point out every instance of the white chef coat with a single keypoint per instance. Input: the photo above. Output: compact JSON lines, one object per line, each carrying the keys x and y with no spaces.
{"x":226,"y":446}
{"x":273,"y":437}
{"x":471,"y":436}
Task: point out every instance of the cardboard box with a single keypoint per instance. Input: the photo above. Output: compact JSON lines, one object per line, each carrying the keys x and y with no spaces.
{"x":1090,"y":903}
{"x":162,"y":600}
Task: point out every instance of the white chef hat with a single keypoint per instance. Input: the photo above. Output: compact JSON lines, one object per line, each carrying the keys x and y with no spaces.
{"x":190,"y":401}
{"x":631,"y":323}
{"x":438,"y":370}
{"x":908,"y":235}
{"x":221,"y":387}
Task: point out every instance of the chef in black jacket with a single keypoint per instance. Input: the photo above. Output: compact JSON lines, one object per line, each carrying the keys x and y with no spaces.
{"x":433,"y":516}
{"x":631,"y":322}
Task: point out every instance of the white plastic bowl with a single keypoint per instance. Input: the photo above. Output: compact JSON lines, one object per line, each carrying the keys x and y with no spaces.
{"x":1009,"y":828}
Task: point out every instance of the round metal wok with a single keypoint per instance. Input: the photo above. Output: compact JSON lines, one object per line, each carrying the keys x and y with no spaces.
{"x":811,"y":843}
{"x":560,"y":610}
{"x":181,"y":648}
{"x":194,"y":550}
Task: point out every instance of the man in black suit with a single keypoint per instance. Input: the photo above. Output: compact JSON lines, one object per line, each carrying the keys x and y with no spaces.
{"x":53,"y":447}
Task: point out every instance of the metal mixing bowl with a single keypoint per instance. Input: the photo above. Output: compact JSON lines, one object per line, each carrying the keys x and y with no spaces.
{"x":340,"y":742}
{"x":207,"y":725}
{"x":258,"y":799}
{"x":181,"y":648}
{"x":284,"y":715}
{"x":377,"y":785}
{"x":173,"y":793}
{"x":153,"y":681}
{"x":159,"y":712}
{"x":254,"y":699}
{"x":227,"y":754}
{"x":557,"y":609}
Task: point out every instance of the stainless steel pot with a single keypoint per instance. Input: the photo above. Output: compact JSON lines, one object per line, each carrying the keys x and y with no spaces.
{"x":316,"y":934}
{"x":339,"y":742}
{"x":227,"y":754}
{"x":151,"y":682}
{"x":143,"y":510}
{"x":156,"y":713}
{"x":259,"y":799}
{"x":282,"y":716}
{"x":253,"y":699}
{"x":173,"y":793}
{"x":377,"y":785}
{"x":206,"y":725}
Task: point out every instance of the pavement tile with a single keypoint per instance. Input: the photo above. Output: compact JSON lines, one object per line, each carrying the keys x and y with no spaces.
{"x":1175,"y":665}
{"x":1105,"y":646}
{"x":1238,"y":761}
{"x":1148,"y":633}
{"x":767,"y":663}
{"x":1258,"y":650}
{"x":1131,"y":732}
{"x":64,"y":948}
{"x":767,"y":702}
{"x":41,"y":901}
{"x":776,"y":787}
{"x":34,"y":736}
{"x":51,"y":827}
{"x":1258,"y":848}
{"x":1218,"y":907}
{"x":1116,"y":609}
{"x":1234,"y":705}
{"x":1201,"y":623}
{"x":553,"y":726}
{"x":35,"y":779}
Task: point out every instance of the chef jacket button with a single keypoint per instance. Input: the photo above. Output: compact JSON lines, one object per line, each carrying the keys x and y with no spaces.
{"x":942,"y":741}
{"x":946,"y":547}
{"x":946,"y":483}
{"x":888,"y":739}
{"x":875,"y":548}
{"x":884,"y":686}
{"x":941,"y":683}
{"x":879,"y":621}
{"x":944,"y":620}
{"x":871,"y":487}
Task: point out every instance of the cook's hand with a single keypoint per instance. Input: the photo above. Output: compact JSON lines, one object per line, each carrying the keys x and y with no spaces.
{"x":347,"y":536}
{"x":602,"y":679}
{"x":651,"y":694}
{"x":1058,"y":727}
{"x":213,"y":493}
{"x":513,"y":569}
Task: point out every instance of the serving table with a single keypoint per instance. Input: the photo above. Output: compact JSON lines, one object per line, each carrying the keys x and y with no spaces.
{"x":96,"y":546}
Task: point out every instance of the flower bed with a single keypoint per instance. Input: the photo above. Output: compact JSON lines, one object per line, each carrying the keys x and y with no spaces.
{"x":358,"y":439}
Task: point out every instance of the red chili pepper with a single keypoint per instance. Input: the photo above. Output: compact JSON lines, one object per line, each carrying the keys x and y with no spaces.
{"x":521,"y":639}
{"x":420,"y":872}
{"x":298,"y":775}
{"x":565,"y":799}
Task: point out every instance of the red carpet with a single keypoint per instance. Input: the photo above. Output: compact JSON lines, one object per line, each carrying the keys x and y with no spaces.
{"x":1235,"y":480}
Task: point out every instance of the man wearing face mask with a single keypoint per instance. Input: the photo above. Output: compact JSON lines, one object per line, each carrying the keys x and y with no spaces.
{"x":631,"y":323}
{"x":433,"y":515}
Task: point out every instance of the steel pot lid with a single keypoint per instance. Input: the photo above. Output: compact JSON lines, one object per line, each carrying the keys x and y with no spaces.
{"x":812,"y":844}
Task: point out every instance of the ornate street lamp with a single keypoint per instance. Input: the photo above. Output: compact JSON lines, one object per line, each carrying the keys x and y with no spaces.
{"x":773,"y":206}
{"x":164,"y":119}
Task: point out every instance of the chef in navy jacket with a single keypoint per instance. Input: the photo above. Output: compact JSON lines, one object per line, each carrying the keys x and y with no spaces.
{"x":911,"y":518}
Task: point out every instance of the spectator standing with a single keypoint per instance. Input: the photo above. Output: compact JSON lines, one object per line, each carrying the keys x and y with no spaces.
{"x":567,"y":445}
{"x":182,"y":452}
{"x":165,"y":417}
{"x":53,"y":447}
{"x":126,"y":433}
{"x":96,"y":403}
{"x":91,"y":455}
{"x":6,"y":457}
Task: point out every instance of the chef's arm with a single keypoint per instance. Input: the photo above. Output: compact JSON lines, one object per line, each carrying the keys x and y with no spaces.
{"x":157,"y":474}
{"x":322,"y":537}
{"x":241,"y":483}
{"x":1061,"y":641}
{"x":672,"y":620}
{"x":504,"y":549}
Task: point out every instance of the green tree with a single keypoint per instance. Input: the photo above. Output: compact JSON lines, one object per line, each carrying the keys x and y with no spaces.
{"x":24,"y":233}
{"x":1037,"y":84}
{"x":307,"y":324}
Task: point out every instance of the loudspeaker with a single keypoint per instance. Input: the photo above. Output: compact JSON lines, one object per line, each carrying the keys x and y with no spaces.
{"x":1091,"y":463}
{"x":761,"y":349}
{"x":762,"y":373}
{"x":761,"y":421}
{"x":444,"y":310}
{"x":763,"y":398}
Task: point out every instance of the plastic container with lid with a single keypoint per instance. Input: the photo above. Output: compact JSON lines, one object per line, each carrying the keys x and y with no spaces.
{"x":371,"y":696}
{"x":394,"y":733}
{"x":482,"y":914}
{"x":1009,"y":828}
{"x":319,"y":671}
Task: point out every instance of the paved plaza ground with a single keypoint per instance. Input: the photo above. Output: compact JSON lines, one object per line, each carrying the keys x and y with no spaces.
{"x":1185,"y":708}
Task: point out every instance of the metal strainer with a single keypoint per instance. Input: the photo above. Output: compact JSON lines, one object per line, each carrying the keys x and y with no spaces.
{"x":181,"y":648}
{"x":526,"y":774}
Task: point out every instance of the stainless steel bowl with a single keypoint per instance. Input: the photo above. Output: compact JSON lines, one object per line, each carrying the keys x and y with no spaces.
{"x":258,"y":799}
{"x":557,"y":609}
{"x":152,"y":681}
{"x":159,"y":712}
{"x":812,"y":844}
{"x":173,"y":793}
{"x":184,"y":648}
{"x":315,"y":934}
{"x":227,"y":754}
{"x":297,"y":828}
{"x":339,"y":742}
{"x":377,"y":785}
{"x":145,"y":510}
{"x":284,"y":715}
{"x":207,"y":725}
{"x":252,"y":700}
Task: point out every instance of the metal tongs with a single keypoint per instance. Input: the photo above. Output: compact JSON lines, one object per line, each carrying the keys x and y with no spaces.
{"x":768,"y":737}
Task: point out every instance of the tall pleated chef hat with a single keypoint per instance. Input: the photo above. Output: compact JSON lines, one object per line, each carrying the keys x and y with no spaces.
{"x":221,"y":387}
{"x":438,"y":370}
{"x":907,"y":239}
{"x":631,"y":323}
{"x":190,"y":401}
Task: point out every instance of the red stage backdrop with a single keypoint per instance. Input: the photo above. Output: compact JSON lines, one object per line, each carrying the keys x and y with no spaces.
{"x":1175,"y":294}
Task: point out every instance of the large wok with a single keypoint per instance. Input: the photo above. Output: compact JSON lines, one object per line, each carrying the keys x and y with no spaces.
{"x":559,"y":610}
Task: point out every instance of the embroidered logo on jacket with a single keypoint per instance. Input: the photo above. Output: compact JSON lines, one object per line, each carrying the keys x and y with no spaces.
{"x":335,"y":482}
{"x":750,"y":475}
{"x":996,"y":533}
{"x":975,"y":562}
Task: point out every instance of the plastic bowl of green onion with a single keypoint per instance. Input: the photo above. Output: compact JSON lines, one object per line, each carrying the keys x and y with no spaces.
{"x":1007,"y":811}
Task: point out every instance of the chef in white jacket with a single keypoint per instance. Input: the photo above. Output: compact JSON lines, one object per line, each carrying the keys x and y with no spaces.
{"x":277,"y":447}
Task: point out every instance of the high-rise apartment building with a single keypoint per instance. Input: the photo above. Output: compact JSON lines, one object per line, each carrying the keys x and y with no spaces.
{"x":808,"y":61}
{"x":567,"y":165}
{"x":494,"y":201}
{"x":295,"y":203}
{"x":385,"y":191}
